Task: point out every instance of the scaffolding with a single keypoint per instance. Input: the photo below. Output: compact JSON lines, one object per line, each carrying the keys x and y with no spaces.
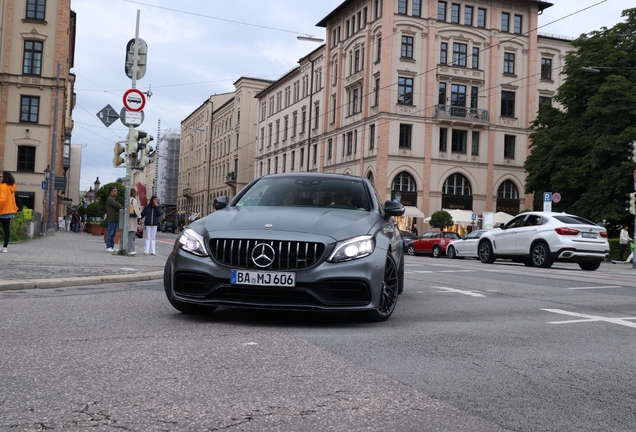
{"x":167,"y":178}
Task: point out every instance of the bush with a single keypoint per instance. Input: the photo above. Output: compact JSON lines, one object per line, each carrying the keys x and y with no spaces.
{"x":441,"y":219}
{"x":17,"y":229}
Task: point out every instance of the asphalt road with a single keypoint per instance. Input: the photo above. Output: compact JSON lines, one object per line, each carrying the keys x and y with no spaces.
{"x":471,"y":347}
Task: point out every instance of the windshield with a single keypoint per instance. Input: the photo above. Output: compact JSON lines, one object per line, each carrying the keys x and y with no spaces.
{"x":306,"y":192}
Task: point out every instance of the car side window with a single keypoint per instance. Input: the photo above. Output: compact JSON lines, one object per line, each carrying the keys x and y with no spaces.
{"x":533,"y":220}
{"x":427,"y":235}
{"x":516,"y":222}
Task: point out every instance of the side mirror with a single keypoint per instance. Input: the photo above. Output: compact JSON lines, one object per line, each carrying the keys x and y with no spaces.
{"x":393,"y":208}
{"x":220,"y":202}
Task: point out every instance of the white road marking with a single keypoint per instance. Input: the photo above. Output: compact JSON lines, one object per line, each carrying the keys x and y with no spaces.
{"x":249,"y":343}
{"x":458,"y":291}
{"x":454,"y":271}
{"x":591,"y":318}
{"x":595,"y":287}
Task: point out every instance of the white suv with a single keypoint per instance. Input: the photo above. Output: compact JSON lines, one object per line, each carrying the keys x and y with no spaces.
{"x":541,"y":238}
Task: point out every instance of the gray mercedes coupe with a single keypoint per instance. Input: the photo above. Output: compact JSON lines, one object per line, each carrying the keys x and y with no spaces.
{"x":297,"y":241}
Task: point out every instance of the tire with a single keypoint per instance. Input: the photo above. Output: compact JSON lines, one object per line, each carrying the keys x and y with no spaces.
{"x":540,"y":255}
{"x":401,"y":279}
{"x":450,"y":252}
{"x":410,"y":250}
{"x":527,"y":262}
{"x":590,"y":266}
{"x":484,"y":250}
{"x":388,"y":296}
{"x":437,"y":251}
{"x":182,"y":307}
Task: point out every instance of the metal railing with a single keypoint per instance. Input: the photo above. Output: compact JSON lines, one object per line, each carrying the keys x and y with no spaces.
{"x":459,"y":112}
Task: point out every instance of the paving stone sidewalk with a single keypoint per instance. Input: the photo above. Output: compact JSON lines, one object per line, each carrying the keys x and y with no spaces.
{"x":71,"y":259}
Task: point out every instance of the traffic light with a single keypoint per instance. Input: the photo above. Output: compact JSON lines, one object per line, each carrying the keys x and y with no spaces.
{"x":632,"y":151}
{"x":144,"y":139}
{"x":143,"y":157}
{"x":142,"y":53}
{"x":117,"y":159}
{"x":131,"y":142}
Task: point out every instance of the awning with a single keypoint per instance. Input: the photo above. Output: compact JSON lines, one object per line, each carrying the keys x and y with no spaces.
{"x":412,"y":212}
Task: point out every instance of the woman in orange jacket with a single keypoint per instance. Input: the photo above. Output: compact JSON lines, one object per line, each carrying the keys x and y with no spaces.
{"x":8,"y":207}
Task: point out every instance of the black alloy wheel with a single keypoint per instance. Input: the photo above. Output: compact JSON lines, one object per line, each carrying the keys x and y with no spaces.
{"x":410,"y":250}
{"x":541,"y":255}
{"x":485,"y":252}
{"x":389,"y":294}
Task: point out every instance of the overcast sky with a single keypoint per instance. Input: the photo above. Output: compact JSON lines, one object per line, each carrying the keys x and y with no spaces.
{"x":197,"y":48}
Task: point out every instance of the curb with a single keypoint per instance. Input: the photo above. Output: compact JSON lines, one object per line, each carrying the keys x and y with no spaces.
{"x":6,"y":285}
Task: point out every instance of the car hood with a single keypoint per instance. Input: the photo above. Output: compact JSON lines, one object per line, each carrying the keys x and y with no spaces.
{"x":338,"y":224}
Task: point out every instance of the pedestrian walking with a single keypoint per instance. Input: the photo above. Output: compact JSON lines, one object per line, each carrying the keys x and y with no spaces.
{"x":8,"y":207}
{"x":134,"y":213}
{"x":112,"y":217}
{"x":68,"y":220}
{"x":623,"y":241}
{"x":76,"y":221}
{"x":151,"y":214}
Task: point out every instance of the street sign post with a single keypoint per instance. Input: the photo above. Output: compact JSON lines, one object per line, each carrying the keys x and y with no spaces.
{"x":108,"y":115}
{"x":556,"y":197}
{"x":547,"y":201}
{"x":134,"y":100}
{"x":131,"y":118}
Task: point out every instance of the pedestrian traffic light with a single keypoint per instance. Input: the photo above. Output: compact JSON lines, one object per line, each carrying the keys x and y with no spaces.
{"x":632,"y":151}
{"x":117,"y":159}
{"x":144,"y":139}
{"x":131,"y":142}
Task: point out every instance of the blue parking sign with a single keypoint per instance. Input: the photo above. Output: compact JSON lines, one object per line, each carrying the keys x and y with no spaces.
{"x":547,"y":196}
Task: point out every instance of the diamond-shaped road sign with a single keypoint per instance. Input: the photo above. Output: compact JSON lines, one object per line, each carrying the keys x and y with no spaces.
{"x":108,"y":115}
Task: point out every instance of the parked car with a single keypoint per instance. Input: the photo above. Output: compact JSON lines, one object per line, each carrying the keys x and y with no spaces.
{"x":464,"y":247}
{"x":433,"y":243}
{"x":408,"y":240}
{"x":541,"y":238}
{"x":169,"y":226}
{"x":294,"y":241}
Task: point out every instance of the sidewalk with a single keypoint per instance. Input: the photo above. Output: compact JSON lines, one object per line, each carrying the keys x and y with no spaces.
{"x":72,"y":259}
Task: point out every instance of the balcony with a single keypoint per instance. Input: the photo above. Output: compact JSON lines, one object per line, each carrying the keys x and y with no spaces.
{"x":230,"y":180}
{"x":458,"y":113}
{"x":187,"y":192}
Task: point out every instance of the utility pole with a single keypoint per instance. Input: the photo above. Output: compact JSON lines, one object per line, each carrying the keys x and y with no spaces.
{"x":51,"y":222}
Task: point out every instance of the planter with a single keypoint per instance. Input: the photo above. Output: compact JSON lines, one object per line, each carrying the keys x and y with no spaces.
{"x":116,"y":241}
{"x":95,"y":230}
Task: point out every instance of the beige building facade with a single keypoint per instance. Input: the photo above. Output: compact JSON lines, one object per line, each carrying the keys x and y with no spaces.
{"x":430,"y":100}
{"x":36,"y":37}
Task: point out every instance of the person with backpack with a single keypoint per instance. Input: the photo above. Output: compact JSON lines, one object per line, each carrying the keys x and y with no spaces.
{"x":8,"y":206}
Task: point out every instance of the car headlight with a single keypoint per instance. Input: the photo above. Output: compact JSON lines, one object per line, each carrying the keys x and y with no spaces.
{"x":191,"y":241}
{"x":357,"y":247}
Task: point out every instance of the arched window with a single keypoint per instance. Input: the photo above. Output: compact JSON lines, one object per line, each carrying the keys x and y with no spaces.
{"x":371,"y":178}
{"x":404,"y":182}
{"x":457,"y":184}
{"x":508,"y":190}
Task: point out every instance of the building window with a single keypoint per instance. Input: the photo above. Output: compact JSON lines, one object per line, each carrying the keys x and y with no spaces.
{"x":302,"y":157}
{"x":457,"y":184}
{"x":284,"y":162}
{"x":505,"y":22}
{"x":508,"y":190}
{"x":349,"y":143}
{"x":405,"y":91}
{"x":459,"y":54}
{"x":379,"y":49}
{"x":475,"y":146}
{"x":443,"y":139}
{"x":441,"y":11}
{"x":376,"y":90}
{"x":262,"y":137}
{"x":475,"y":58}
{"x":443,"y":53}
{"x":333,"y":109}
{"x":26,"y":159}
{"x":509,"y":63}
{"x":32,"y":64}
{"x":458,"y":100}
{"x":315,"y":156}
{"x":357,"y":61}
{"x":458,"y":141}
{"x":317,"y":116}
{"x":303,"y":126}
{"x":404,"y":182}
{"x":277,"y":131}
{"x":35,"y":9}
{"x":509,"y":146}
{"x":405,"y":135}
{"x":407,"y":46}
{"x":402,"y":5}
{"x":517,"y":24}
{"x":442,"y":94}
{"x":293,"y":159}
{"x":546,"y":68}
{"x":29,"y":109}
{"x":286,"y":128}
{"x":269,"y":138}
{"x":329,"y":148}
{"x":294,"y":124}
{"x":372,"y":136}
{"x":474,"y":96}
{"x":417,"y":8}
{"x":276,"y":165}
{"x":481,"y":18}
{"x":354,"y":101}
{"x":455,"y":13}
{"x":468,"y":15}
{"x":545,"y":100}
{"x":507,"y":104}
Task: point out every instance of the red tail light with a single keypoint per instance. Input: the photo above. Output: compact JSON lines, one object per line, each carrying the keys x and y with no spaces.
{"x":603,"y":234}
{"x":567,"y":231}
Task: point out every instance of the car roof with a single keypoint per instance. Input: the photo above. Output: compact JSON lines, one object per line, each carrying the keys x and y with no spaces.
{"x":313,"y":175}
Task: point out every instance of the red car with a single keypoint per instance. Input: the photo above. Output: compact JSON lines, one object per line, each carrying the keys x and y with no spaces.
{"x":433,"y":243}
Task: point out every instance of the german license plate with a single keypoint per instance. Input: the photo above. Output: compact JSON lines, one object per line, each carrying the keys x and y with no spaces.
{"x":254,"y":277}
{"x":588,"y":235}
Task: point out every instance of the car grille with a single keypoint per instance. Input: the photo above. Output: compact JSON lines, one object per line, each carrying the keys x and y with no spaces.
{"x":289,"y":255}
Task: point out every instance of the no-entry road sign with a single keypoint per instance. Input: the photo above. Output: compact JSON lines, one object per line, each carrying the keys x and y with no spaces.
{"x":134,"y":100}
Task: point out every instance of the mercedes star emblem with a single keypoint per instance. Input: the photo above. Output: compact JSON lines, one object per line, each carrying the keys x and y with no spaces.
{"x":263,"y":255}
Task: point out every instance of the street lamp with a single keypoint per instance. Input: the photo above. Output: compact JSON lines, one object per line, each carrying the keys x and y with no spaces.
{"x":97,"y":184}
{"x":311,"y":92}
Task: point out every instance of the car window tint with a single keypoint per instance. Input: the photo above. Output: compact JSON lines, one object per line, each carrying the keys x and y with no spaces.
{"x":516,"y":222}
{"x":451,"y":235}
{"x":573,"y":220}
{"x":427,"y":235}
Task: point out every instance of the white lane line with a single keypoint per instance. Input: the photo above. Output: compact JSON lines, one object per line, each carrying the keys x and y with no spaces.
{"x":595,"y":287}
{"x":421,"y":271}
{"x":591,"y":318}
{"x":455,"y":290}
{"x":454,"y":271}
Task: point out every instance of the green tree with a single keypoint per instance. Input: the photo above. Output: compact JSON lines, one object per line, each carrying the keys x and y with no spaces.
{"x":580,"y":149}
{"x":441,"y":219}
{"x":104,"y":192}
